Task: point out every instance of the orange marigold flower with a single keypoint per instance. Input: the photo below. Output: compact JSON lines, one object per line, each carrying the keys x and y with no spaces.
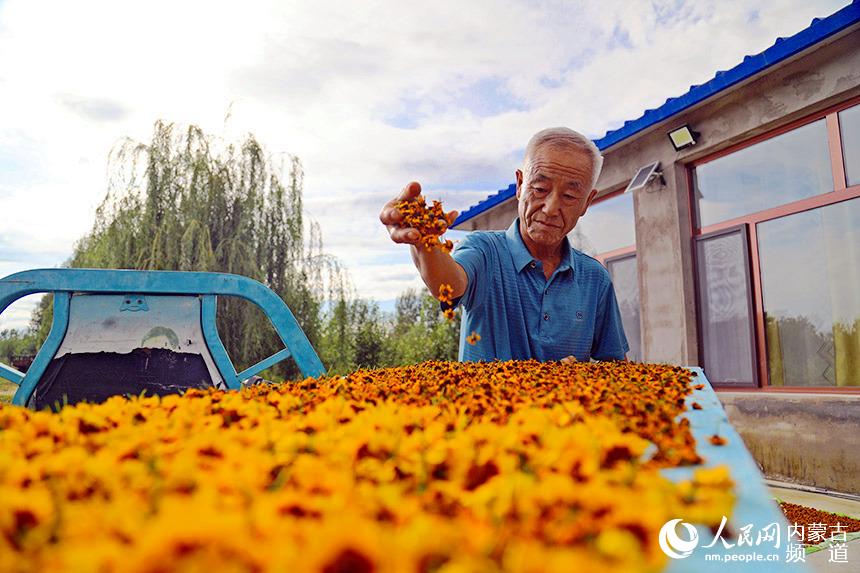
{"x":473,"y":338}
{"x":718,"y":440}
{"x":446,"y":293}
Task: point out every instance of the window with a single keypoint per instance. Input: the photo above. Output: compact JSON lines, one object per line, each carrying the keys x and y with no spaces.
{"x":777,"y":254}
{"x":849,"y":124}
{"x":607,"y":225}
{"x":785,"y":168}
{"x":625,"y":279}
{"x":607,"y":232}
{"x":810,"y":273}
{"x":725,"y":313}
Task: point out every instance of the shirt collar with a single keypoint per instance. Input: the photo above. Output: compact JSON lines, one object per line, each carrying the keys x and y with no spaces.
{"x":521,"y":255}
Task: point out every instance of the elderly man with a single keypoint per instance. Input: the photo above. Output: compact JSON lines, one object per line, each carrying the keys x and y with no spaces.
{"x":526,"y":291}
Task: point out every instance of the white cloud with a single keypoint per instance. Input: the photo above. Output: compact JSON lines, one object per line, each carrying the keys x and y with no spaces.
{"x":20,"y":312}
{"x":369,"y":95}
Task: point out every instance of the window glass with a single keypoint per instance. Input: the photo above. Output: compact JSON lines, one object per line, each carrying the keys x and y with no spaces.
{"x":607,"y":225}
{"x":849,"y":126}
{"x":810,"y":272}
{"x":626,"y":283}
{"x":785,"y":168}
{"x":725,"y":321}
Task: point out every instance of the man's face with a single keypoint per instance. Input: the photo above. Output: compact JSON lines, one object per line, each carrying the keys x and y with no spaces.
{"x":553,"y":193}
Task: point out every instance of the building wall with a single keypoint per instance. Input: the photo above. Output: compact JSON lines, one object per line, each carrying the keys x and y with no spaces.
{"x":806,"y":438}
{"x":803,"y":86}
{"x":810,"y":439}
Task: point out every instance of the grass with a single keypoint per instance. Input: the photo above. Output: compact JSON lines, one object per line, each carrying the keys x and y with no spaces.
{"x":7,"y":390}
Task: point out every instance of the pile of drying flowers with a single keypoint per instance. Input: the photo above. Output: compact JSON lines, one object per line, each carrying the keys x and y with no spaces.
{"x":514,"y":466}
{"x":815,"y":526}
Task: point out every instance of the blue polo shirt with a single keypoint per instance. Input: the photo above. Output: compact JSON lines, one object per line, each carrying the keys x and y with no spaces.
{"x":519,"y":314}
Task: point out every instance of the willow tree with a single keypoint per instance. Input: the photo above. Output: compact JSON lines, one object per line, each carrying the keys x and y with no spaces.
{"x":187,"y":201}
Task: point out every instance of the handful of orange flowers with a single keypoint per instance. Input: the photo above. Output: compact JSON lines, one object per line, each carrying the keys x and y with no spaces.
{"x":547,"y":466}
{"x":430,"y":222}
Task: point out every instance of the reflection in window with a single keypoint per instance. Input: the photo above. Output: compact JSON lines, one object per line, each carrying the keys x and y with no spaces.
{"x":606,"y":226}
{"x":849,"y":126}
{"x":785,"y":168}
{"x":810,"y":272}
{"x":725,"y":322}
{"x":626,"y":282}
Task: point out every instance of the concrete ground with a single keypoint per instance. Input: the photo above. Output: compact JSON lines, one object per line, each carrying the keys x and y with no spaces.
{"x":819,"y":562}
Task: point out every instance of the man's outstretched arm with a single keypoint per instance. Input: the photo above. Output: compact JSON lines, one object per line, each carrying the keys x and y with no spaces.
{"x":435,"y":266}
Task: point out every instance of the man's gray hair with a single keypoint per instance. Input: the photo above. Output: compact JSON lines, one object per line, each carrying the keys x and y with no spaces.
{"x":566,"y":137}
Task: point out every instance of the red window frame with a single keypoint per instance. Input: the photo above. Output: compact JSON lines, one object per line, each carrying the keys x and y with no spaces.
{"x":840,"y":192}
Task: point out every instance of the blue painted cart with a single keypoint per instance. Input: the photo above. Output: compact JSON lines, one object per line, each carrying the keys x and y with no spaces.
{"x":155,"y":329}
{"x":754,"y":506}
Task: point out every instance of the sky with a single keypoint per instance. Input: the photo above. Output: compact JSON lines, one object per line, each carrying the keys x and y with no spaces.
{"x":369,"y":95}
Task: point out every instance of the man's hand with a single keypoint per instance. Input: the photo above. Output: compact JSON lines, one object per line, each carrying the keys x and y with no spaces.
{"x":390,"y":216}
{"x":436,"y":267}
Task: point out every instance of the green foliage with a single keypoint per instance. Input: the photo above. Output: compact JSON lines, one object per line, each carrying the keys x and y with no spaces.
{"x":353,"y":336}
{"x":7,"y":391}
{"x":14,"y":343}
{"x":43,"y":316}
{"x":359,"y":335}
{"x":420,"y":332}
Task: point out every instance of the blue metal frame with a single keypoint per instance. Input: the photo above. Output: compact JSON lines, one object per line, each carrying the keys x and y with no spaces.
{"x":222,"y":360}
{"x":9,"y":373}
{"x":263,"y":364}
{"x":63,"y":282}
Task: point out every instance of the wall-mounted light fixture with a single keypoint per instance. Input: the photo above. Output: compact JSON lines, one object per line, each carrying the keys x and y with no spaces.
{"x":683,"y":137}
{"x":644,"y":176}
